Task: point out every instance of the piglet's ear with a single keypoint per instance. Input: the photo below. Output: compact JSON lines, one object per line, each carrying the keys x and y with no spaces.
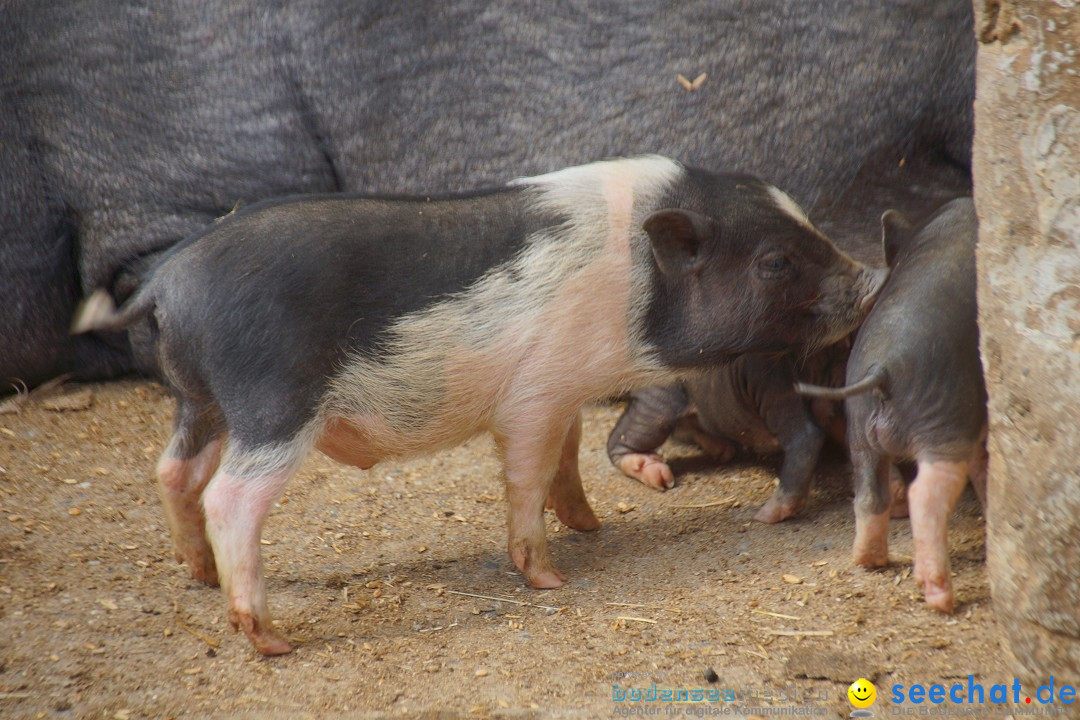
{"x":895,"y":231}
{"x":677,"y":237}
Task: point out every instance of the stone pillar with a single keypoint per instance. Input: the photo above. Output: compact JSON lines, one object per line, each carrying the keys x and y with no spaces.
{"x":1027,"y":193}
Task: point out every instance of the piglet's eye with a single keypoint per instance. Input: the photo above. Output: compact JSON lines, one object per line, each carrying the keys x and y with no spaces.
{"x":774,"y":264}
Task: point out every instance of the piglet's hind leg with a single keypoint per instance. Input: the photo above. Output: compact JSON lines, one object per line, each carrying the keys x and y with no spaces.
{"x":180,"y":483}
{"x":931,"y":499}
{"x":236,"y":506}
{"x":872,"y":502}
{"x":567,"y":496}
{"x":185,"y":467}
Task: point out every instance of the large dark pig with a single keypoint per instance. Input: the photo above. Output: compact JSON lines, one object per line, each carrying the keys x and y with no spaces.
{"x":370,"y":328}
{"x":915,"y":392}
{"x":749,"y":403}
{"x":126,"y":126}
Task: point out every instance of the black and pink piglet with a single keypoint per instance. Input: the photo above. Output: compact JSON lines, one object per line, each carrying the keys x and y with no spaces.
{"x":374,"y":327}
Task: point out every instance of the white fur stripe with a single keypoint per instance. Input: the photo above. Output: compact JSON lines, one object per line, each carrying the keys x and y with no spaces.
{"x":785,"y":203}
{"x":563,"y":317}
{"x":573,"y":190}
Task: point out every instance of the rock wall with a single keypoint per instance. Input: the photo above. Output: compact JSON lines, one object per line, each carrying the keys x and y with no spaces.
{"x":1027,"y":192}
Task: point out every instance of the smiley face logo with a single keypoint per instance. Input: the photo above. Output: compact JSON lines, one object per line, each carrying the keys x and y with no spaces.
{"x":862,"y":693}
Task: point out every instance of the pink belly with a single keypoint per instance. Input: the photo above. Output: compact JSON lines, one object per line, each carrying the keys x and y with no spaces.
{"x":348,"y":443}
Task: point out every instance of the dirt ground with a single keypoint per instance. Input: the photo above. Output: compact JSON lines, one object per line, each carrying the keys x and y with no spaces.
{"x":375,"y":576}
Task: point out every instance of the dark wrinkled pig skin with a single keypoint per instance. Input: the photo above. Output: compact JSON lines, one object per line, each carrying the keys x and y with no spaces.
{"x":915,"y":392}
{"x":749,"y":403}
{"x":125,"y":127}
{"x":372,"y":327}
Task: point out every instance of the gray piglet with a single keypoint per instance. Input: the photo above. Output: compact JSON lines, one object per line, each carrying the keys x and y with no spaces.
{"x":749,"y":403}
{"x":915,"y":392}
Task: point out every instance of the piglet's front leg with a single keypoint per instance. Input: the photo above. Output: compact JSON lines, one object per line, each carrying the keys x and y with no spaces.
{"x":801,"y":452}
{"x":531,"y":448}
{"x":648,"y":421}
{"x":787,"y":416}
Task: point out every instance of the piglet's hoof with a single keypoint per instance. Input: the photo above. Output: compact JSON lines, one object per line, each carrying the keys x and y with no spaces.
{"x":871,"y":549}
{"x":649,"y":469}
{"x":572,"y":509}
{"x":265,"y":640}
{"x":937,"y":589}
{"x":939,"y":597}
{"x":546,"y":579}
{"x":871,"y":552}
{"x":577,"y":516}
{"x":202,"y":567}
{"x":871,"y":557}
{"x":541,"y":575}
{"x":779,"y":508}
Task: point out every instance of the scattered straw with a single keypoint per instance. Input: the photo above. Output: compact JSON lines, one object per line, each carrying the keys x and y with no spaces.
{"x":642,"y":605}
{"x":502,"y":599}
{"x":716,"y":503}
{"x":208,"y":640}
{"x":636,"y":619}
{"x":776,"y":615}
